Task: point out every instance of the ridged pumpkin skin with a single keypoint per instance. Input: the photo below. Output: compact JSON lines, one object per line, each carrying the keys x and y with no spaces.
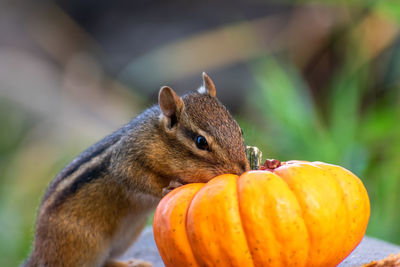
{"x":299,"y":214}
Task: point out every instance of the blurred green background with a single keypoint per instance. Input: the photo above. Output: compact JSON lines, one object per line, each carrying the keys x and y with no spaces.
{"x":306,"y":80}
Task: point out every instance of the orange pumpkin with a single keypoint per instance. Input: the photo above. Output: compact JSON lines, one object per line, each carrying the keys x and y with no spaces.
{"x":299,"y":214}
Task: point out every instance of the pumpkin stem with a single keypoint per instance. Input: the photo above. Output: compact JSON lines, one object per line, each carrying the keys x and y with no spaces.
{"x":254,"y":156}
{"x":271,"y":164}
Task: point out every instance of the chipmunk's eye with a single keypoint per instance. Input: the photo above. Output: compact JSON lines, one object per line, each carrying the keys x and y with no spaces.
{"x":201,"y":142}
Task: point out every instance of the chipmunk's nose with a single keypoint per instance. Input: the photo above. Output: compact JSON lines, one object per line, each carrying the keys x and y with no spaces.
{"x":245,"y":166}
{"x":241,"y":167}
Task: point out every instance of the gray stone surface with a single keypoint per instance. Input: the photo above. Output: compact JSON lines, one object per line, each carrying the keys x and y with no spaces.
{"x":145,"y":249}
{"x":369,"y":249}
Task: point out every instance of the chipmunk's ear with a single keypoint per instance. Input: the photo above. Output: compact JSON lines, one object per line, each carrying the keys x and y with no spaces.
{"x":171,"y":105}
{"x":208,"y":86}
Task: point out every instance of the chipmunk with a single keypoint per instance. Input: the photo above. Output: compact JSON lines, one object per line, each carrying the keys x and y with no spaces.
{"x":98,"y":205}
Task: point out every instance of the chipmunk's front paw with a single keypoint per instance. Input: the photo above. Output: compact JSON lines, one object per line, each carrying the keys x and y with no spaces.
{"x":172,"y":185}
{"x":129,"y":263}
{"x":138,"y":263}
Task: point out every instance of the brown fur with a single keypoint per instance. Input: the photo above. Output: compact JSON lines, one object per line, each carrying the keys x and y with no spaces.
{"x":98,"y":205}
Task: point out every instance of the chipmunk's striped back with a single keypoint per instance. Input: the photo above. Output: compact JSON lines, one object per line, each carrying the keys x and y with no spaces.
{"x":88,"y":166}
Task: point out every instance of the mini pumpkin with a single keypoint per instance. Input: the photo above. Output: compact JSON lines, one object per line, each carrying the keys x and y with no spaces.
{"x":297,"y":214}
